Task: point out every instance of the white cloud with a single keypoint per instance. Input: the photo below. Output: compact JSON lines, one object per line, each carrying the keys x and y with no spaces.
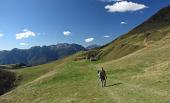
{"x":66,"y":33}
{"x":23,"y":44}
{"x":106,"y":36}
{"x":25,"y":34}
{"x":1,"y":35}
{"x":123,"y":23}
{"x":88,"y":40}
{"x":125,"y":6}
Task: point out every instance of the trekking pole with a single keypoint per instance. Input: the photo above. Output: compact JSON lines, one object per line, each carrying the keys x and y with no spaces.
{"x":97,"y":82}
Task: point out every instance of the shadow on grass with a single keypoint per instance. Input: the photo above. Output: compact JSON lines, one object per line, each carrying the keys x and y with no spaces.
{"x":114,"y":84}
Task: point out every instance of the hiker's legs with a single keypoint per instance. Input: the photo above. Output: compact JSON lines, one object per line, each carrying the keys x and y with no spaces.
{"x":102,"y":82}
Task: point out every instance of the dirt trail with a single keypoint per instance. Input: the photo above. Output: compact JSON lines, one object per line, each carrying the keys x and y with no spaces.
{"x":51,"y":73}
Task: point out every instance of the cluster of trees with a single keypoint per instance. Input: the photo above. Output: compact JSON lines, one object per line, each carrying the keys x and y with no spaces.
{"x":7,"y":81}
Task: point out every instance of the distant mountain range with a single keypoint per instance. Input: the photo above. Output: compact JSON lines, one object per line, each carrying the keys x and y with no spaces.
{"x":138,"y":62}
{"x":39,"y":55}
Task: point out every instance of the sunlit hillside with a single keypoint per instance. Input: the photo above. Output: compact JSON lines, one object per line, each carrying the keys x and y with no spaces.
{"x":137,"y":66}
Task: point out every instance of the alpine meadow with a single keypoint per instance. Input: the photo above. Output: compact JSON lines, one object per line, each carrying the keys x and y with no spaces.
{"x":137,"y":66}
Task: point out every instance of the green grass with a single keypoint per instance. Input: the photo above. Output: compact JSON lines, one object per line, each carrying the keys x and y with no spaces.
{"x":137,"y":66}
{"x":141,"y":77}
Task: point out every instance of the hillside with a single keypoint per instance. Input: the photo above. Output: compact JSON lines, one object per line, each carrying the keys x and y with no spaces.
{"x":39,"y":55}
{"x":137,"y":65}
{"x":149,"y":32}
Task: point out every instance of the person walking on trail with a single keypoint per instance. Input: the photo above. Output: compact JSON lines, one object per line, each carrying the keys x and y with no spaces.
{"x":102,"y":77}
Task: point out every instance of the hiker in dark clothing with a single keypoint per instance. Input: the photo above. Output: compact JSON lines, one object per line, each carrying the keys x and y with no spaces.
{"x":102,"y":76}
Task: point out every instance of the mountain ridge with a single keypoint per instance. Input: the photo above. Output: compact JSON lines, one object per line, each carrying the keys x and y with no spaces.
{"x":39,"y":54}
{"x":141,"y":36}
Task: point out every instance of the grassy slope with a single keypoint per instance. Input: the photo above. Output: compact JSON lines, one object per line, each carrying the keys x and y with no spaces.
{"x":134,"y":41}
{"x":141,"y":77}
{"x":152,"y":30}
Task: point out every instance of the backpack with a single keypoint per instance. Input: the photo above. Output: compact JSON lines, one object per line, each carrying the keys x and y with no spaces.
{"x":102,"y":73}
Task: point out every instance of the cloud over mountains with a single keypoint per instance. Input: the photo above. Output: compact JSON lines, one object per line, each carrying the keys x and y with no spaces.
{"x":88,"y":40}
{"x":25,"y":34}
{"x":124,"y":6}
{"x":66,"y":33}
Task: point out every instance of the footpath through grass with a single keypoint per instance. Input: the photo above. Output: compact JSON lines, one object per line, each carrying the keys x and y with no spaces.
{"x":141,"y":77}
{"x":66,"y":83}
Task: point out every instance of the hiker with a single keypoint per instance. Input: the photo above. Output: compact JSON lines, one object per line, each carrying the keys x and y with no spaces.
{"x":102,"y":77}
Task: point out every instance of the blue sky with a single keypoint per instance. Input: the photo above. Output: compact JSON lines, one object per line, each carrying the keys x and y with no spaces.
{"x":26,"y":23}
